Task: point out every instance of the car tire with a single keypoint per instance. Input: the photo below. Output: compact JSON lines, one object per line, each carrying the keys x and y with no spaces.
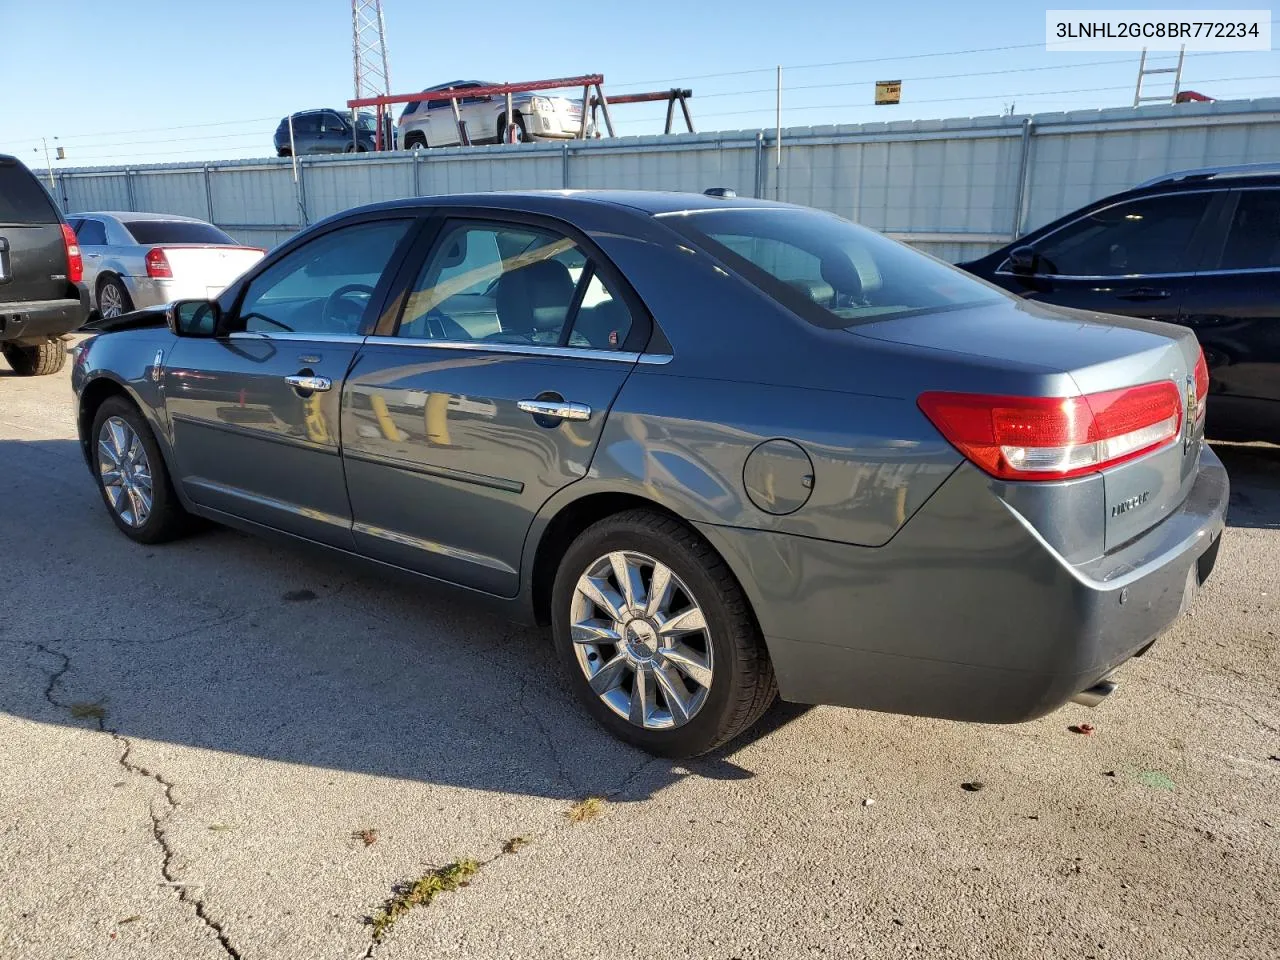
{"x":284,"y":152}
{"x":111,"y":289}
{"x":115,"y":425}
{"x":522,"y":132}
{"x":729,"y":650}
{"x":36,"y":360}
{"x":415,"y":141}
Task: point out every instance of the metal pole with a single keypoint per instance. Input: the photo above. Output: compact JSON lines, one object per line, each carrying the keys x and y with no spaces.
{"x":1142,"y":66}
{"x":1177,"y":77}
{"x":463,"y":139}
{"x":1024,"y":178}
{"x":671,"y":111}
{"x":293,"y":150}
{"x":777,"y":159}
{"x":586,"y":100}
{"x":684,"y":107}
{"x":509,"y":134}
{"x":759,"y":191}
{"x":48,"y":166}
{"x":604,"y":109}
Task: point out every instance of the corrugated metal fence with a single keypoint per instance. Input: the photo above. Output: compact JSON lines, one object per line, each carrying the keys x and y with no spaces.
{"x":957,"y":188}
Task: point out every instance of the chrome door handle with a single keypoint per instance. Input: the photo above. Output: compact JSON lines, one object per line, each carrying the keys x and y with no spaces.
{"x":311,"y":384}
{"x":557,"y":409}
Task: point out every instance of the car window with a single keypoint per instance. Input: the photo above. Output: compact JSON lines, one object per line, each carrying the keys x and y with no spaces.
{"x":92,"y":233}
{"x":307,"y":123}
{"x":332,"y":123}
{"x":175,"y":231}
{"x":1253,"y":240}
{"x":324,"y":286}
{"x":512,"y":284}
{"x":1142,"y":236}
{"x":23,"y":198}
{"x":829,"y":271}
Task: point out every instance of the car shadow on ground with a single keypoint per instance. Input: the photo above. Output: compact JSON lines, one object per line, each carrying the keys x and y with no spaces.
{"x":235,"y":644}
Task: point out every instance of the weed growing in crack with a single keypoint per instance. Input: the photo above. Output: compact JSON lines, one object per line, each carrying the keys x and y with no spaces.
{"x":88,"y":711}
{"x":515,"y":844}
{"x":585,"y":810}
{"x":419,"y":893}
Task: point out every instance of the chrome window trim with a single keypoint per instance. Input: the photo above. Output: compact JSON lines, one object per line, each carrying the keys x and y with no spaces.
{"x":1123,"y":277}
{"x":521,"y":349}
{"x":1000,"y":271}
{"x":285,"y":335}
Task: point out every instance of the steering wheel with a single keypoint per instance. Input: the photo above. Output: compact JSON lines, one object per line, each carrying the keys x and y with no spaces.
{"x":329,"y":314}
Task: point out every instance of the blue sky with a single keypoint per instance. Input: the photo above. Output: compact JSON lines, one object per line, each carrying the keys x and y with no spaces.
{"x":135,"y":82}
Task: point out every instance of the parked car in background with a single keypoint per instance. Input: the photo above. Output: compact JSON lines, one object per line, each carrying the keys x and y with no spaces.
{"x":1200,"y":248}
{"x":135,"y":260}
{"x":430,"y":123}
{"x":328,"y":131}
{"x":42,"y":296}
{"x":723,"y":447}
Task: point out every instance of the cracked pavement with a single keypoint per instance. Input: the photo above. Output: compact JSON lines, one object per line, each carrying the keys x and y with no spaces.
{"x":191,"y":734}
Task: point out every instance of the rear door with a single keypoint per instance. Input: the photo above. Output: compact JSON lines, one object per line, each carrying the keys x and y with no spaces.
{"x":252,"y":438}
{"x":1233,"y":302}
{"x":485,"y":398}
{"x":1132,"y":258}
{"x":33,"y":258}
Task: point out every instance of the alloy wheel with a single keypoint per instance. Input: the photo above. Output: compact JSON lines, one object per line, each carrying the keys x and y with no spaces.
{"x":110,"y":301}
{"x":641,"y":639}
{"x":125,"y":471}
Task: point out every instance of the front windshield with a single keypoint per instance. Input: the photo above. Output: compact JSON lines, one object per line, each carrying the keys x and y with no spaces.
{"x":366,"y":121}
{"x":831,"y":272}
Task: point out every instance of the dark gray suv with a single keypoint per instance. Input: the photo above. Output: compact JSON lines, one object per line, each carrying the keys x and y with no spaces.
{"x":326,"y":131}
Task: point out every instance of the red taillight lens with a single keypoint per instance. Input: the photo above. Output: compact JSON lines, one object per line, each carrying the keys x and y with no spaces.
{"x":75,"y":263}
{"x":1202,"y":379}
{"x":1052,"y":438}
{"x":158,"y":264}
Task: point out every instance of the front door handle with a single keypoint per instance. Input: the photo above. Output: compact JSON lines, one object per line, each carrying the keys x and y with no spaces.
{"x":1144,"y":293}
{"x":556,"y":409}
{"x":309,"y":383}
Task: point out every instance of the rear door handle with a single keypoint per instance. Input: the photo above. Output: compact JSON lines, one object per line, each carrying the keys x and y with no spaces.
{"x":557,"y":409}
{"x":1144,"y":293}
{"x":309,"y":383}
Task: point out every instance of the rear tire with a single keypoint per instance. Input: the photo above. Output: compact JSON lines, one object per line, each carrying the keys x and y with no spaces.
{"x":522,"y":132}
{"x":115,"y":426}
{"x":113,"y":298}
{"x":415,"y":141}
{"x":38,"y":360}
{"x":726,"y":680}
{"x":284,"y":152}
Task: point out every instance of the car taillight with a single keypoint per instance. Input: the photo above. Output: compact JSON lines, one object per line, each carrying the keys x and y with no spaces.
{"x":1202,"y":384}
{"x":158,"y":264}
{"x":1053,"y":438}
{"x":75,"y":263}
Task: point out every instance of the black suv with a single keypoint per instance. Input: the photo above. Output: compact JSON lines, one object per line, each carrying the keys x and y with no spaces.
{"x":327,"y":131}
{"x":42,"y":297}
{"x":1200,"y":248}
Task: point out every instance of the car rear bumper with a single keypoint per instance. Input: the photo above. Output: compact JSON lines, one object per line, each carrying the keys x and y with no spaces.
{"x":36,"y":320}
{"x":967,"y":614}
{"x":146,"y":292}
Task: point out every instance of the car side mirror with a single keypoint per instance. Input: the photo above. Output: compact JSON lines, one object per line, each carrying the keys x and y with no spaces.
{"x":194,"y":318}
{"x":1024,"y":260}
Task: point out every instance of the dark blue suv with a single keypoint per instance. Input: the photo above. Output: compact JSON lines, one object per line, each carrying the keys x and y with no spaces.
{"x":326,"y":131}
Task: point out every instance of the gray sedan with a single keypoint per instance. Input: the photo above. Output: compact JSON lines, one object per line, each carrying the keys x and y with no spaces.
{"x":724,"y":448}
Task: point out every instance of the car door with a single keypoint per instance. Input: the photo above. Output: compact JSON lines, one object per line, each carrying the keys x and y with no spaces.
{"x":306,"y":134}
{"x":1233,"y":302}
{"x":254,"y":411}
{"x":92,"y":234}
{"x":1132,"y":258}
{"x":486,"y":397}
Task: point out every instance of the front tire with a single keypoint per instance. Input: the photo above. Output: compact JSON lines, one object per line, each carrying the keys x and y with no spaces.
{"x":132,"y":476}
{"x":36,"y":360}
{"x":522,"y":132}
{"x":113,"y":298}
{"x":657,"y":637}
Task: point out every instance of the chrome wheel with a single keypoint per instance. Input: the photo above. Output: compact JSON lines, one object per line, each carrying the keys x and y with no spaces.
{"x":641,"y":640}
{"x":125,"y":471}
{"x":110,"y":300}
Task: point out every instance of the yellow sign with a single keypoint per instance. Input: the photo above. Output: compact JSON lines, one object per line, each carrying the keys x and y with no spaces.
{"x":888,"y":91}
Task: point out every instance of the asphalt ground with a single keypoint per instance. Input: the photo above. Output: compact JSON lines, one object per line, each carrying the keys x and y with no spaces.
{"x":225,"y":748}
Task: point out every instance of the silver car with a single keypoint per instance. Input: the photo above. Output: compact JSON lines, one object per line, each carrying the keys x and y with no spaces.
{"x":723,"y":448}
{"x":137,"y":260}
{"x":537,"y":116}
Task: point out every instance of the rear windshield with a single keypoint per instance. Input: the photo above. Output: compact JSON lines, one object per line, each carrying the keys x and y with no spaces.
{"x":831,"y":272}
{"x":175,"y":231}
{"x":22,"y":198}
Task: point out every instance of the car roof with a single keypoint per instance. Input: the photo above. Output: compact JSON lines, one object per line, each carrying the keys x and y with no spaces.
{"x":653,"y":202}
{"x":124,"y":215}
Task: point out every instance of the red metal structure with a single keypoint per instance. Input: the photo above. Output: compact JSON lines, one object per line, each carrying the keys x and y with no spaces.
{"x":673,"y":96}
{"x":453,"y":94}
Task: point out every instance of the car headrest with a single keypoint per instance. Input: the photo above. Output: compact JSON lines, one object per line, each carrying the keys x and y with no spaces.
{"x":534,"y":297}
{"x":839,"y":271}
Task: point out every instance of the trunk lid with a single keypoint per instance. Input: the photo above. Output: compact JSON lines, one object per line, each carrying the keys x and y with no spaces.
{"x":213,"y":266}
{"x":1097,"y":352}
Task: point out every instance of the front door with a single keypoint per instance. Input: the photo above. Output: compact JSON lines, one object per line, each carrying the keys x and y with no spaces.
{"x":488,"y":398}
{"x":254,"y":413}
{"x":1132,"y":258}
